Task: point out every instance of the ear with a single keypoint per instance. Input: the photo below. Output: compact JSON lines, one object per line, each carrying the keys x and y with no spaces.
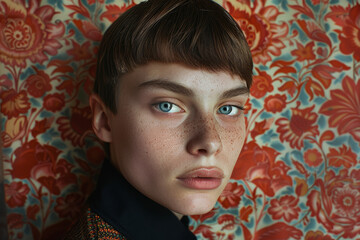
{"x":100,"y":118}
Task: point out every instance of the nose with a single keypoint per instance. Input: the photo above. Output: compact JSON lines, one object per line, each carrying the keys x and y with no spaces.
{"x":204,"y":137}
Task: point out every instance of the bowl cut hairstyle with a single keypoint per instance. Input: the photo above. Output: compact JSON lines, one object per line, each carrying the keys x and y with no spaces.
{"x":196,"y":33}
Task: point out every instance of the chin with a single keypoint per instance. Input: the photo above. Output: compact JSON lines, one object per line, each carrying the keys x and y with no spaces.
{"x":196,"y":205}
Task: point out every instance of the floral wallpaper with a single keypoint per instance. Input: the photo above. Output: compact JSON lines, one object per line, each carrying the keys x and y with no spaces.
{"x":298,"y":176}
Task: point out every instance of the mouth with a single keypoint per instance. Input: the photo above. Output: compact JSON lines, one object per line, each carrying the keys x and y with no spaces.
{"x":202,"y":178}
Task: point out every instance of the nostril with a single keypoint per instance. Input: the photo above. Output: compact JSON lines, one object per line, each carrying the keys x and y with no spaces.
{"x":202,"y":151}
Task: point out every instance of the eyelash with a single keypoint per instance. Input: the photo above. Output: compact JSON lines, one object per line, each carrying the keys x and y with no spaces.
{"x":179,"y":109}
{"x":239,"y":109}
{"x":157,"y":106}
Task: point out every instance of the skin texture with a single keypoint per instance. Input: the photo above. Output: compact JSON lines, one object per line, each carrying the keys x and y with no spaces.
{"x":152,"y":148}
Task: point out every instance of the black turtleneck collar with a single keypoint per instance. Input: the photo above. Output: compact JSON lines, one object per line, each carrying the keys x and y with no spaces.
{"x":133,"y":214}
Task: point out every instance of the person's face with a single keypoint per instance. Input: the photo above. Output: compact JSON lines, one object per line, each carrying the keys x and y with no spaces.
{"x":177,"y":133}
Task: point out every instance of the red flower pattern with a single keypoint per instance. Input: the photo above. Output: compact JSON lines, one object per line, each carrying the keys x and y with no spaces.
{"x":231,"y":195}
{"x":80,"y":52}
{"x":38,"y":84}
{"x":39,"y":162}
{"x":27,"y":33}
{"x":54,"y":177}
{"x":30,"y":155}
{"x":77,"y":127}
{"x":344,"y":108}
{"x":337,"y":204}
{"x":275,"y":103}
{"x":286,"y":207}
{"x":313,"y":157}
{"x":350,"y":34}
{"x":16,"y":194}
{"x":257,"y":164}
{"x":227,"y":221}
{"x":14,"y":103}
{"x":343,"y":156}
{"x":262,"y":84}
{"x":304,"y":53}
{"x":299,"y":127}
{"x":15,"y":129}
{"x":346,"y":201}
{"x":15,"y":220}
{"x":54,"y":102}
{"x":262,"y":32}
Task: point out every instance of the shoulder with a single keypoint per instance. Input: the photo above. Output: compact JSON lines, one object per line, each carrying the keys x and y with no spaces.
{"x":91,"y":227}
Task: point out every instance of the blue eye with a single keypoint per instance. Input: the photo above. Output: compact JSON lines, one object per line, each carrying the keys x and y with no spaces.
{"x":229,"y":110}
{"x":167,"y":107}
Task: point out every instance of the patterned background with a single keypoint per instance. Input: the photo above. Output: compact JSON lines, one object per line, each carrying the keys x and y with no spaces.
{"x":298,"y":176}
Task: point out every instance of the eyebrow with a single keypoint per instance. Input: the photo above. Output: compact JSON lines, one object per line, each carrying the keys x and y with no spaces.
{"x":243,"y":90}
{"x":177,"y":88}
{"x":173,"y":87}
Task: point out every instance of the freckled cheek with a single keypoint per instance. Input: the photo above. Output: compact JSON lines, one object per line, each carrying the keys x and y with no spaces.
{"x":232,"y":142}
{"x":159,"y":139}
{"x":162,"y":142}
{"x":233,"y":139}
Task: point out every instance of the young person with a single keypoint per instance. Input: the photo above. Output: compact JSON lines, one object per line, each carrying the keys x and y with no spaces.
{"x":172,"y":80}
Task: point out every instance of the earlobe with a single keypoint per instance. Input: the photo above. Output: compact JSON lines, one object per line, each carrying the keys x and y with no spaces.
{"x":100,"y":118}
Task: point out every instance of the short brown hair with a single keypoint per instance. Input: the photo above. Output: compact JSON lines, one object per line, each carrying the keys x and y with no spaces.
{"x":197,"y":33}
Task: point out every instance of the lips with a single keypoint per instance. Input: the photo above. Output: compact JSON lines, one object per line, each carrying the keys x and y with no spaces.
{"x":202,"y":178}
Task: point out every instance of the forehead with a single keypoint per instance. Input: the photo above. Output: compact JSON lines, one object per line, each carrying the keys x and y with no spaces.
{"x":195,"y":79}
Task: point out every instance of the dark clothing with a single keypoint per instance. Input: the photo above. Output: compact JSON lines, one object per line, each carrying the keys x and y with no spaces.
{"x":131,"y":213}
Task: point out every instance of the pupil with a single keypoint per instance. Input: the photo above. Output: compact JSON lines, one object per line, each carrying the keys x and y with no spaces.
{"x":165,"y":107}
{"x":226,"y":109}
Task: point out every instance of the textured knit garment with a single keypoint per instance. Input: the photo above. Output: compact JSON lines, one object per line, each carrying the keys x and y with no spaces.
{"x":118,"y":211}
{"x":91,"y":227}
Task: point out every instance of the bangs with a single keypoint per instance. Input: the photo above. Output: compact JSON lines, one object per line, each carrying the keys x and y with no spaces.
{"x":201,"y":40}
{"x":197,"y":33}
